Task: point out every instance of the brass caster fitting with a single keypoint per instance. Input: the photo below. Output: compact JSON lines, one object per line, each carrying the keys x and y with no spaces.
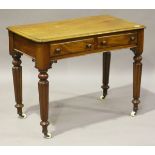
{"x":102,"y":97}
{"x":133,"y":113}
{"x":22,"y":116}
{"x":47,"y":136}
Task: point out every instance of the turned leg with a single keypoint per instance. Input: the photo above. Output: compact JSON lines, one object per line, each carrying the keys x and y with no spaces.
{"x":137,"y":72}
{"x":17,"y":79}
{"x":43,"y":87}
{"x":106,"y":70}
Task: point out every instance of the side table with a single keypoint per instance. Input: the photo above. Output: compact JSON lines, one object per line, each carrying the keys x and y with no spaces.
{"x":48,"y":42}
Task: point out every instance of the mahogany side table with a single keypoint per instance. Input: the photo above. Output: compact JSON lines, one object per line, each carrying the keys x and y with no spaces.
{"x":48,"y":42}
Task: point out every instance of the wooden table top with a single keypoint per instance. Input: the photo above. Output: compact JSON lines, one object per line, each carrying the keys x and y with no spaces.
{"x":73,"y":28}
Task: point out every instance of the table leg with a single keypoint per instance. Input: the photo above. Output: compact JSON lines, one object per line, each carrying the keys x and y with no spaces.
{"x":43,"y":87}
{"x":17,"y":79}
{"x":137,"y":72}
{"x":106,"y":70}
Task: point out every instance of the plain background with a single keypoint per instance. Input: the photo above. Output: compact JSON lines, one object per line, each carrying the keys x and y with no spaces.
{"x":76,"y":114}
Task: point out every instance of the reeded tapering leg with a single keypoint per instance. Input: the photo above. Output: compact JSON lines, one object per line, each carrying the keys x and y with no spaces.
{"x":137,"y":72}
{"x":106,"y":70}
{"x":17,"y":79}
{"x":43,"y":87}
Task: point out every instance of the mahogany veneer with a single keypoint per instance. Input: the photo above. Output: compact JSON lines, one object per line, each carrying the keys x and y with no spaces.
{"x":48,"y":42}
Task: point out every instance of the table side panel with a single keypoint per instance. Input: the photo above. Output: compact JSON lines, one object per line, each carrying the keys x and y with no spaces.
{"x":77,"y":46}
{"x":24,"y":45}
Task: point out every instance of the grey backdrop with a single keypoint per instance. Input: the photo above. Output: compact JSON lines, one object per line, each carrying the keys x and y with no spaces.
{"x":76,"y":114}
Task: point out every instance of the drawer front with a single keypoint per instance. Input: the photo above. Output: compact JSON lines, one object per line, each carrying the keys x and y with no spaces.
{"x":72,"y":47}
{"x":117,"y":40}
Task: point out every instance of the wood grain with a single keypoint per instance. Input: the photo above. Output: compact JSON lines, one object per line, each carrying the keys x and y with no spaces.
{"x":117,"y":40}
{"x":43,"y":88}
{"x":106,"y":70}
{"x":17,"y":80}
{"x":137,"y":70}
{"x":73,"y":28}
{"x":72,"y":47}
{"x":50,"y":41}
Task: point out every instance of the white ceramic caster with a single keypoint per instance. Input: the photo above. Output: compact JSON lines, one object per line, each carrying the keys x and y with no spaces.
{"x":102,"y":97}
{"x":133,"y":114}
{"x":47,"y":136}
{"x":22,"y":116}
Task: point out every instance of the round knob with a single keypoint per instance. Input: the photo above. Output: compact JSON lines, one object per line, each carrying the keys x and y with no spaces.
{"x":57,"y":50}
{"x":104,"y":42}
{"x":132,"y":38}
{"x":33,"y":60}
{"x":89,"y":45}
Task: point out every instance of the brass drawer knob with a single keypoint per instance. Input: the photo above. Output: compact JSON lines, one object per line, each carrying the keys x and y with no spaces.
{"x":89,"y":45}
{"x":104,"y":42}
{"x":57,"y":50}
{"x":132,"y":38}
